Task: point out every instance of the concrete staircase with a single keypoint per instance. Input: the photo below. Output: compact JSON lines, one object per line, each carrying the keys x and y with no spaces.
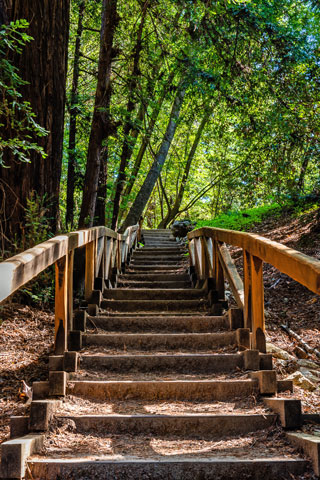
{"x":165,"y":389}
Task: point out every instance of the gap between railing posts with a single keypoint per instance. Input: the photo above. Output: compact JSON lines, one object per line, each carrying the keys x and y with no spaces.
{"x":211,"y":259}
{"x":106,"y":253}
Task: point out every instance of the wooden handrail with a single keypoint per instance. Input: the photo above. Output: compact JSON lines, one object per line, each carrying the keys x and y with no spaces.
{"x":211,"y":259}
{"x":105,"y":251}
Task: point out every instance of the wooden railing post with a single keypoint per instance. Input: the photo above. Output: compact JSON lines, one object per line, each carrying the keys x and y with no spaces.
{"x":210,"y":257}
{"x":108,"y":258}
{"x":257,"y":304}
{"x":61,"y":305}
{"x":247,"y":289}
{"x":219,"y":276}
{"x":191,"y":253}
{"x":204,"y":260}
{"x":70,"y":290}
{"x":197,"y":258}
{"x":90,"y":267}
{"x":119,"y":251}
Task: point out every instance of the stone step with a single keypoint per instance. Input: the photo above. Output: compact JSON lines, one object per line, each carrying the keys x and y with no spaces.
{"x":154,"y":305}
{"x":216,"y":468}
{"x":153,"y":285}
{"x":152,"y":294}
{"x":201,"y":390}
{"x":155,"y":277}
{"x":148,"y":341}
{"x":162,"y":323}
{"x":190,"y":425}
{"x":186,"y":363}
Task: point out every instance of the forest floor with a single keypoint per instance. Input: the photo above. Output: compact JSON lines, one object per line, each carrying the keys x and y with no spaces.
{"x":26,"y":333}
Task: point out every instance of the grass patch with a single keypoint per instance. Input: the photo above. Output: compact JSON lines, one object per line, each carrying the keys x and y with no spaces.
{"x":241,"y":220}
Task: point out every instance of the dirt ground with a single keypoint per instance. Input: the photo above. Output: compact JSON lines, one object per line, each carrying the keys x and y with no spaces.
{"x":26,"y":336}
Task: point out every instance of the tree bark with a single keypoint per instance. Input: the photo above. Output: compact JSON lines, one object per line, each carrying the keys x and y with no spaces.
{"x":100,"y":211}
{"x":74,"y":101}
{"x":172,"y":212}
{"x":155,"y":170}
{"x":146,"y":138}
{"x":101,"y":125}
{"x":128,"y":144}
{"x":43,"y":64}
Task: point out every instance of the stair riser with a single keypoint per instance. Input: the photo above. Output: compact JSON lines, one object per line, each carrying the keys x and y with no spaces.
{"x":136,"y":262}
{"x":219,"y":391}
{"x":159,"y":243}
{"x":170,"y":342}
{"x":165,"y":294}
{"x":161,"y":250}
{"x":154,"y":285}
{"x":187,"y":425}
{"x":160,"y":277}
{"x":174,"y":324}
{"x":177,"y":363}
{"x":155,"y":314}
{"x":151,"y":268}
{"x":146,"y":254}
{"x":218,"y":469}
{"x":156,"y":305}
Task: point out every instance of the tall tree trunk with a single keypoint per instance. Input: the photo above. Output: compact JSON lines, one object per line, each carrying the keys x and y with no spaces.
{"x":155,"y":170}
{"x":172,"y":212}
{"x":100,"y":211}
{"x":43,"y":64}
{"x":128,"y":144}
{"x":74,"y":101}
{"x":101,"y":125}
{"x":146,"y":138}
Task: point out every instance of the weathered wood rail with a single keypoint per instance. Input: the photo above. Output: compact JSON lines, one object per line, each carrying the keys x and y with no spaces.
{"x":105,"y":253}
{"x":210,"y":258}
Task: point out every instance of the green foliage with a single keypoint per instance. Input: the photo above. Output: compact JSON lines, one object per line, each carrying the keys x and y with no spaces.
{"x":241,"y":220}
{"x":255,"y":62}
{"x":37,"y":225}
{"x":39,"y":292}
{"x":15,"y":114}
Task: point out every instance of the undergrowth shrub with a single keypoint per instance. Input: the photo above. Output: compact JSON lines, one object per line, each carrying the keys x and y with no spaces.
{"x":40,"y":291}
{"x":241,"y":220}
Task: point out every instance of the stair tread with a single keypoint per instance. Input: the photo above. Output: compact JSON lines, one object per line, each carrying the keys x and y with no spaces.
{"x":255,"y":447}
{"x":153,"y":377}
{"x":92,"y":349}
{"x":84,"y":406}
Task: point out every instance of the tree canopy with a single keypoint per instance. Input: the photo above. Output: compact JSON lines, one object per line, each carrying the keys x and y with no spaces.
{"x":176,"y":108}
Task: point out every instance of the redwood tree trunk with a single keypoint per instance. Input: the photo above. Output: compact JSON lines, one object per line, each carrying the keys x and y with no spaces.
{"x":74,"y":101}
{"x":101,"y":123}
{"x":155,"y":170}
{"x":100,"y":211}
{"x":43,"y":64}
